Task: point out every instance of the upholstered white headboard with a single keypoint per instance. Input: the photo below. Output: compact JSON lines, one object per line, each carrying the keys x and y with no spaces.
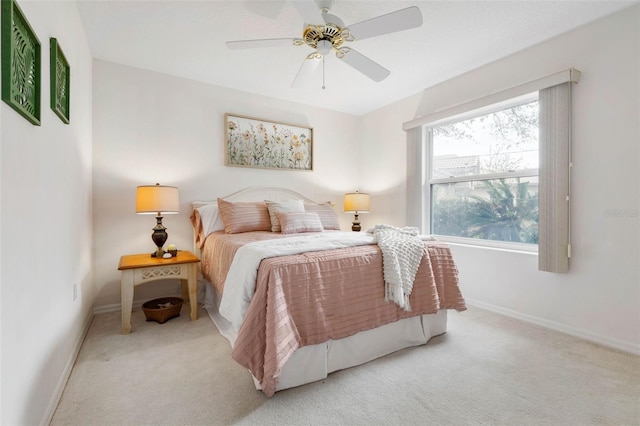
{"x":260,"y":193}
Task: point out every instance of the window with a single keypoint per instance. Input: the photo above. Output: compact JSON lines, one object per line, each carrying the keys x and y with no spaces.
{"x":483,"y":183}
{"x":504,"y":172}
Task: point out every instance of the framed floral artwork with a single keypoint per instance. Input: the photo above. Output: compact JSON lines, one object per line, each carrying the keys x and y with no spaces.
{"x":252,"y":142}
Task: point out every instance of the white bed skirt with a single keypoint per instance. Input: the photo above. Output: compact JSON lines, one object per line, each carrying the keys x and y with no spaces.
{"x":312,"y":363}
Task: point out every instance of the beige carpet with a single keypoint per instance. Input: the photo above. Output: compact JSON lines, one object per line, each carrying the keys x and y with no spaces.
{"x":487,"y":370}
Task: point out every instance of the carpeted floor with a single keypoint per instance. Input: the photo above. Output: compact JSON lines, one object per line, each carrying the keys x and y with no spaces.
{"x":486,"y":370}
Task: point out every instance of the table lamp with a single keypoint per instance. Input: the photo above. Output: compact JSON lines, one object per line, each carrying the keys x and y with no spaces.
{"x":356,"y":202}
{"x":157,"y":199}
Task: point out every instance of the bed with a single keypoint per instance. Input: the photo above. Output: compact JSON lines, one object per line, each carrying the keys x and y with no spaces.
{"x":297,"y":298}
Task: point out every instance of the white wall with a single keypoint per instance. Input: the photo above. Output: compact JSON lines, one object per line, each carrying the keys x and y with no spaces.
{"x":1,"y":257}
{"x":45,"y":230}
{"x":150,"y":127}
{"x":383,"y":154}
{"x":599,"y":298}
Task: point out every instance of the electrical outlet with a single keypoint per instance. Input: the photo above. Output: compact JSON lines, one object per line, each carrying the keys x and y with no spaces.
{"x":75,"y":291}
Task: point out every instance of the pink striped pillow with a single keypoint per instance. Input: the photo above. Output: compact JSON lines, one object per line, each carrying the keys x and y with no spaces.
{"x":244,"y":216}
{"x":296,"y":222}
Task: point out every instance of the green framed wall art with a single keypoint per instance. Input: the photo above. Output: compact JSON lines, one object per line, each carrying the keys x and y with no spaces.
{"x":60,"y":80}
{"x":20,"y":63}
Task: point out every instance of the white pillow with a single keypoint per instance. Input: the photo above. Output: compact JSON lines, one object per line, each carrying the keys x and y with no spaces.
{"x":327,"y":215}
{"x":275,"y":207}
{"x":210,"y":218}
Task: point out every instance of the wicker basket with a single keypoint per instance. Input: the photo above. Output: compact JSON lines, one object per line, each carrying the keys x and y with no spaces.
{"x":163,"y":309}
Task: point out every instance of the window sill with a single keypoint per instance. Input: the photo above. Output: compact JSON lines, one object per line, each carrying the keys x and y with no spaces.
{"x":523,"y":248}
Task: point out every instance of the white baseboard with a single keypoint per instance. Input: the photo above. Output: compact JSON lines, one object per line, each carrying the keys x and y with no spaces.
{"x":64,"y":377}
{"x":114,"y":307}
{"x":629,"y":347}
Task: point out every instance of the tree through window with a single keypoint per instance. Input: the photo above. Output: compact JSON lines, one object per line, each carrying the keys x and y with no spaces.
{"x":484,"y":175}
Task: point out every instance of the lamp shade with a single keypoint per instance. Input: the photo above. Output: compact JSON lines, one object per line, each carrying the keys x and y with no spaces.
{"x":157,"y":199}
{"x":356,"y":202}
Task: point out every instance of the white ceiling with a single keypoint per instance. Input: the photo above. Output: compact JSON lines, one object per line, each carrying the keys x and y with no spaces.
{"x":186,"y":39}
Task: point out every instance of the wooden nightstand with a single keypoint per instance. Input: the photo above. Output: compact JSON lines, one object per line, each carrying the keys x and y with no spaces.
{"x":136,"y":269}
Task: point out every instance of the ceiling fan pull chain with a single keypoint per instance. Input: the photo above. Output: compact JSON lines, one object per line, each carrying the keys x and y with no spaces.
{"x":323,"y":74}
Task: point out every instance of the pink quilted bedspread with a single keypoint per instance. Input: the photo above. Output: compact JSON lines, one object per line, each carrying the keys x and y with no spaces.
{"x":309,"y":298}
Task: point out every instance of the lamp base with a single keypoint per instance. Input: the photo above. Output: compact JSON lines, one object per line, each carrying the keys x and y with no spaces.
{"x":355,"y":226}
{"x":159,"y":237}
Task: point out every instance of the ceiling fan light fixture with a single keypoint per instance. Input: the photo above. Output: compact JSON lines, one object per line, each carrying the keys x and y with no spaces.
{"x":313,"y":34}
{"x":324,"y":47}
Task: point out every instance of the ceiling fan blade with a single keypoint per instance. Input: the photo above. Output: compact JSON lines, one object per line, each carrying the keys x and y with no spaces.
{"x":399,"y":20}
{"x":309,"y":11}
{"x":366,"y":66}
{"x":306,"y":70}
{"x":267,"y":42}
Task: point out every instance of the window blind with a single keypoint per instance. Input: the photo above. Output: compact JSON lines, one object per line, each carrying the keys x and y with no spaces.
{"x":554,"y":178}
{"x":417,"y":191}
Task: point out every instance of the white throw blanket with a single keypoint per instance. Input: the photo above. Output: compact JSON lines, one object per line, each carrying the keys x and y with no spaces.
{"x":402,"y":252}
{"x":240,"y":283}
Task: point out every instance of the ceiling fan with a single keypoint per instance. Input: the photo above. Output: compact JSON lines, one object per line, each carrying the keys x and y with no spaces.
{"x":325,"y":33}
